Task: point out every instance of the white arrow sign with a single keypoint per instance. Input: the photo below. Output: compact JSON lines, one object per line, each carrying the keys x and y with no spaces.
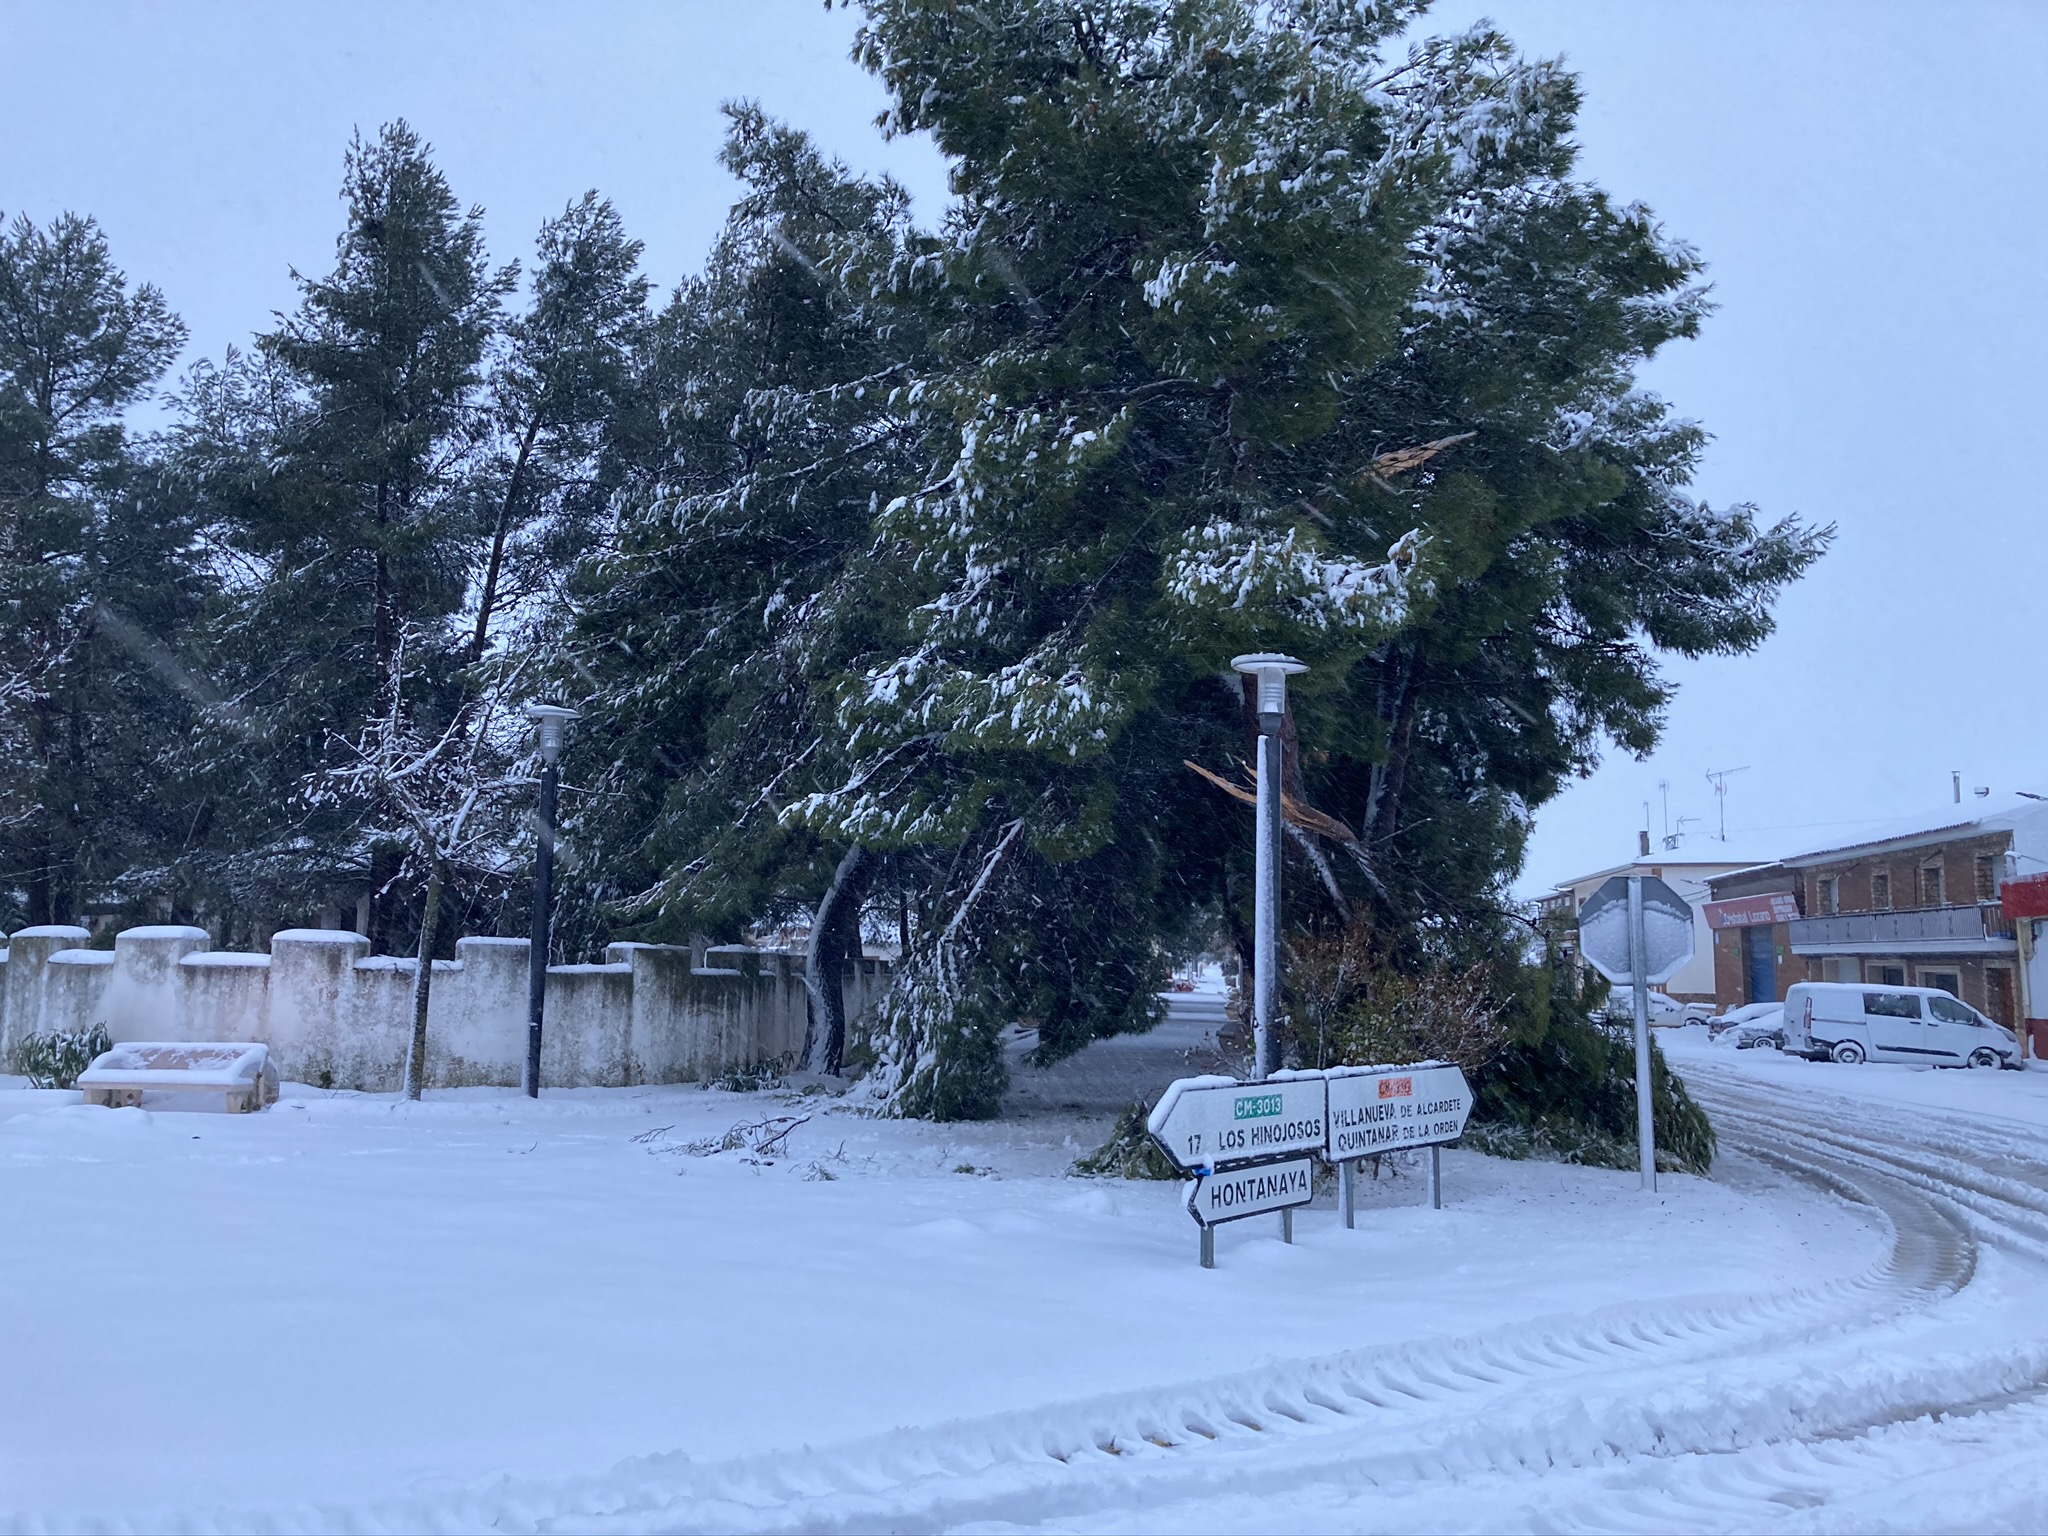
{"x":1388,"y":1108}
{"x":1202,"y":1121}
{"x":1214,"y":1198}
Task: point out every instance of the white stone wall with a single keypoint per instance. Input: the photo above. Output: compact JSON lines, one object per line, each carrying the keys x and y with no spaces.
{"x":336,"y":1016}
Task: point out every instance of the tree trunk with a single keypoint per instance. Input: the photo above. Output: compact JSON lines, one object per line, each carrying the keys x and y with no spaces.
{"x":825,"y":1037}
{"x":488,"y":600}
{"x":1400,"y":747}
{"x":422,"y":984}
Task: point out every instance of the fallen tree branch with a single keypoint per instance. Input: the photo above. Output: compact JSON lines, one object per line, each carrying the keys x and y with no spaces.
{"x":1293,"y":811}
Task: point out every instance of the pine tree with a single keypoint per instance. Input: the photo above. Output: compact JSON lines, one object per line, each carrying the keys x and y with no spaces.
{"x":737,"y":587}
{"x":1250,"y":336}
{"x":342,"y":466}
{"x":97,"y":576}
{"x":566,"y":381}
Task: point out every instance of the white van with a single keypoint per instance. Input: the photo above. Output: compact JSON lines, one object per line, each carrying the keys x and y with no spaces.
{"x":1846,"y":1022}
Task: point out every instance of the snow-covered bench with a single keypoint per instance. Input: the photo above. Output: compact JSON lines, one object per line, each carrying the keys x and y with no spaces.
{"x":240,"y":1074}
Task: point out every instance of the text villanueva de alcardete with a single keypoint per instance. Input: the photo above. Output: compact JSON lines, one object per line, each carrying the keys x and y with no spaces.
{"x":1364,"y":1129}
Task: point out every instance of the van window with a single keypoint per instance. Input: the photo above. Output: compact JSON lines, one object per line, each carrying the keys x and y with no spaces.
{"x":1892,"y":1005}
{"x":1949,"y":1011}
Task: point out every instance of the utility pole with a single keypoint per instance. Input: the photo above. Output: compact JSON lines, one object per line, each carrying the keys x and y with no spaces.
{"x":1272,"y":671}
{"x":552,"y":719}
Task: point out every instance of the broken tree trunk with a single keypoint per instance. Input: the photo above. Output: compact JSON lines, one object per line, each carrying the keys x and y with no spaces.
{"x":824,"y":961}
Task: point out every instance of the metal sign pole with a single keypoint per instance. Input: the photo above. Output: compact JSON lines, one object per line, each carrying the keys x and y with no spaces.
{"x":1266,"y":884}
{"x":1436,"y":1178}
{"x":1347,"y":1169}
{"x":1639,"y":986}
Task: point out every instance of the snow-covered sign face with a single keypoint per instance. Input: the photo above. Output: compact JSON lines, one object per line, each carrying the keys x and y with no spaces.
{"x":1667,"y":930}
{"x":1395,"y":1108}
{"x":1216,"y":1197}
{"x":1203,"y":1122}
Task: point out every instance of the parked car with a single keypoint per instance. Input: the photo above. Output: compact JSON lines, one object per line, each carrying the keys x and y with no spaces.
{"x":1749,"y":1026}
{"x":1700,"y":1013}
{"x":1664,"y":1008}
{"x":1845,"y":1022}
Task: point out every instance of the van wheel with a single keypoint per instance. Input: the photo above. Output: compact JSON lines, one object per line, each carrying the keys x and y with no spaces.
{"x":1848,"y":1053}
{"x":1984,"y":1056}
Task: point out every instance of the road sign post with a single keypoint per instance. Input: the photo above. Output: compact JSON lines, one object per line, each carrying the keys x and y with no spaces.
{"x":1639,"y":995}
{"x":1251,"y":1146}
{"x":1636,"y":929}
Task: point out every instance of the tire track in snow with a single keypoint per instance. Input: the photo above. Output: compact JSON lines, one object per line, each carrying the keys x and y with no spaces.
{"x":1450,"y":1402}
{"x":1520,"y":1406}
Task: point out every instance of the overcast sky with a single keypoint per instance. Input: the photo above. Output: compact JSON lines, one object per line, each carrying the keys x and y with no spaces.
{"x":1866,"y":181}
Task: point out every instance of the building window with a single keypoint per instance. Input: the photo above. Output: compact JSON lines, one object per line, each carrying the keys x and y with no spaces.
{"x":1930,"y":886}
{"x":1987,"y":877}
{"x":1890,"y":975}
{"x":1948,"y":981}
{"x":1830,"y":896}
{"x":1881,"y":891}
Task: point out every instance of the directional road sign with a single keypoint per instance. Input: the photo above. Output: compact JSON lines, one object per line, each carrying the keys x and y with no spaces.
{"x":1667,"y":930}
{"x":1390,"y":1108}
{"x":1202,"y":1122}
{"x":1214,"y":1198}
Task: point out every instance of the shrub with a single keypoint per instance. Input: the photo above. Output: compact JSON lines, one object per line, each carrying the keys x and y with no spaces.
{"x":1130,"y":1153}
{"x":1351,"y":1006}
{"x":54,"y":1060}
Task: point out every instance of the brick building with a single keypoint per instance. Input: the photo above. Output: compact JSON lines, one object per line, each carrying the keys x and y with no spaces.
{"x":1917,"y":907}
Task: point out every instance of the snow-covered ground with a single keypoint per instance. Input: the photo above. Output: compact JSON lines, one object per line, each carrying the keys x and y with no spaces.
{"x":481,"y":1312}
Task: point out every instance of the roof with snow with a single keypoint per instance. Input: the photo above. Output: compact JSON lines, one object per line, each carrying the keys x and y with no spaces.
{"x":1921,"y":831}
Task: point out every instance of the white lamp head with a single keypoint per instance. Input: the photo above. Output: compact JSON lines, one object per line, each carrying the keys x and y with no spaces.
{"x":551,"y":719}
{"x":1272,"y":670}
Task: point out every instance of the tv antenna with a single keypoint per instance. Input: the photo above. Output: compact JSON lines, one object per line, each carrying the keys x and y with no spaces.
{"x":1719,"y":778}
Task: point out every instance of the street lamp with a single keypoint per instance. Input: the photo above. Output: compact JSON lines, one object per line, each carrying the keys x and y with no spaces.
{"x":552,"y":720}
{"x":1272,"y":670}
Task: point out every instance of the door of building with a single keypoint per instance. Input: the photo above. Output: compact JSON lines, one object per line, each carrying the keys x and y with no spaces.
{"x":1998,"y":995}
{"x":1760,"y":963}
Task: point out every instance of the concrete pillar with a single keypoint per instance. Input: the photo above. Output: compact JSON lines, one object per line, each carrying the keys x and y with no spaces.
{"x":28,"y":953}
{"x":313,"y":1014}
{"x":144,"y":997}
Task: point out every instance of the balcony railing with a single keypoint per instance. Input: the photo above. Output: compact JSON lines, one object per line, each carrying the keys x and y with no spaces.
{"x":1963,"y":927}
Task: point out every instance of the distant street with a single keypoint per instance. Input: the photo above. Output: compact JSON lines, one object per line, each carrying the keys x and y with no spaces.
{"x":1110,"y":1075}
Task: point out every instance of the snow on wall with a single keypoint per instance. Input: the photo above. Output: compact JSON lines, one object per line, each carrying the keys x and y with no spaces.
{"x":336,"y":1016}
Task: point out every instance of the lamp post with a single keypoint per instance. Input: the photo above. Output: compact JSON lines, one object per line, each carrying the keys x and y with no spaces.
{"x":1272,"y":671}
{"x":551,"y":719}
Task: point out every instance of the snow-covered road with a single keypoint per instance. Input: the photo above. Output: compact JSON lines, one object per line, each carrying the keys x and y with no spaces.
{"x":1910,"y":1397}
{"x":1846,"y":1329}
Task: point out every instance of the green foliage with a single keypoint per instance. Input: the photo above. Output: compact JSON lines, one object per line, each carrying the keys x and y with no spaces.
{"x":97,"y":570}
{"x":55,"y":1059}
{"x":1243,"y":335}
{"x":1130,"y":1152}
{"x":1569,"y":1092}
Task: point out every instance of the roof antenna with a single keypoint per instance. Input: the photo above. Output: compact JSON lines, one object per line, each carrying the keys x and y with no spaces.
{"x":1719,"y":779}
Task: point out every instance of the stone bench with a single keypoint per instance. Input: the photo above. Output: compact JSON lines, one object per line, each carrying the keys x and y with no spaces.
{"x":240,"y":1076}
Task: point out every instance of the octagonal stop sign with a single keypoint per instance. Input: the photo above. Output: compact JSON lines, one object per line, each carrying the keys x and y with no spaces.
{"x":1667,"y":930}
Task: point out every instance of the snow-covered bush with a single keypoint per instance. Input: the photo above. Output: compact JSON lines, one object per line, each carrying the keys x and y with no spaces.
{"x":55,"y":1059}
